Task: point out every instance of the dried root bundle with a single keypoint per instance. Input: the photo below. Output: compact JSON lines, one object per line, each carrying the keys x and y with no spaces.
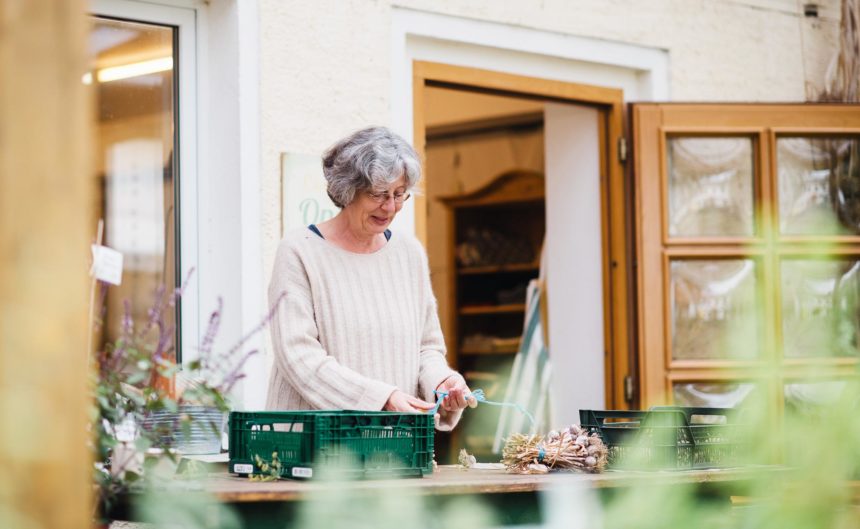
{"x":572,"y":448}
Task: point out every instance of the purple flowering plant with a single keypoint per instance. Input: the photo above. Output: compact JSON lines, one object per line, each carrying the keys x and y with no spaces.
{"x":136,"y":375}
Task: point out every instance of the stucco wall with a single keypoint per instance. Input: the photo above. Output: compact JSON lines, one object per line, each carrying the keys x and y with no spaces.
{"x":325,"y":65}
{"x":720,"y":50}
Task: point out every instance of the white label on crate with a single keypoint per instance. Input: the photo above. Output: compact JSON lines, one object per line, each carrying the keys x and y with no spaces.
{"x":243,"y":468}
{"x":303,"y":472}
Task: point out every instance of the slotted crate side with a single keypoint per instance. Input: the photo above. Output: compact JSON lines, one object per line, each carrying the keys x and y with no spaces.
{"x":664,"y":438}
{"x":360,"y":444}
{"x":378,"y":442}
{"x":659,"y":446}
{"x":289,"y":446}
{"x":719,"y":436}
{"x":290,"y":434}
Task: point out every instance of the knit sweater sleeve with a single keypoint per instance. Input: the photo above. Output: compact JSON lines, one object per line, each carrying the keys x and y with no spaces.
{"x":317,"y":376}
{"x":434,"y":367}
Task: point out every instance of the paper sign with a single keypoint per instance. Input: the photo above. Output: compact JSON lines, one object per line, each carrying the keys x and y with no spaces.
{"x":107,"y":265}
{"x":305,"y":200}
{"x":135,"y":202}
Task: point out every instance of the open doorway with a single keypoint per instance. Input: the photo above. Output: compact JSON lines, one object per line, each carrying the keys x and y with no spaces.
{"x":484,"y":242}
{"x":517,"y":174}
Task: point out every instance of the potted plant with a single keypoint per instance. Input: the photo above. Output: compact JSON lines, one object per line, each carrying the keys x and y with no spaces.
{"x":148,"y":409}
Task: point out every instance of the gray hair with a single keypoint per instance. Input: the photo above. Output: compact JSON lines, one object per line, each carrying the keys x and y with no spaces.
{"x":368,"y":159}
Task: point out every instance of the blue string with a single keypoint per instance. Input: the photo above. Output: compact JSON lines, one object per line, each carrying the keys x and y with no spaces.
{"x":478,"y":395}
{"x":541,"y":453}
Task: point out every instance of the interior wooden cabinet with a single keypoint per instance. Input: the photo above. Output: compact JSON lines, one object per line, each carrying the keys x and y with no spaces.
{"x":748,"y":251}
{"x":495,"y":237}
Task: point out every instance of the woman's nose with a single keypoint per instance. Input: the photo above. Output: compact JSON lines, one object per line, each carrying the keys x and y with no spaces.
{"x":389,"y":204}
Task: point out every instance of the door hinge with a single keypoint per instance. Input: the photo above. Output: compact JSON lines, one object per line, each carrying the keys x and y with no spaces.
{"x":622,"y":149}
{"x":628,"y":388}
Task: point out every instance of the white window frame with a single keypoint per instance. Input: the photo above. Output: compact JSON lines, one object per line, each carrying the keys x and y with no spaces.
{"x":185,"y":19}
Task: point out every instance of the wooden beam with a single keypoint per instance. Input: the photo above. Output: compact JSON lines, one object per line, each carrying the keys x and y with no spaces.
{"x":648,"y":234}
{"x":46,"y":207}
{"x":517,"y":84}
{"x":419,"y":141}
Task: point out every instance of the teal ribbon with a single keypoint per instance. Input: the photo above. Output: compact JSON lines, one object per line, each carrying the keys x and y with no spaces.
{"x":478,"y":395}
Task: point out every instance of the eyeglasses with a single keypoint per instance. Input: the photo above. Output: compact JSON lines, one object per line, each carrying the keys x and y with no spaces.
{"x":383,"y":197}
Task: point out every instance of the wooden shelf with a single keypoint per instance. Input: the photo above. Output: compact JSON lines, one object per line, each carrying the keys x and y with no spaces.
{"x":495,"y":269}
{"x":494,"y":309}
{"x":501,"y":226}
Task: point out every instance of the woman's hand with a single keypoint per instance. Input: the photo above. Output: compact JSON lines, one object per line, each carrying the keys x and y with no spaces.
{"x":457,"y":390}
{"x":403,"y":402}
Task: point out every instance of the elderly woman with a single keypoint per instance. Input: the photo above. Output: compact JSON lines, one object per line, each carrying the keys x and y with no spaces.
{"x":358,"y":328}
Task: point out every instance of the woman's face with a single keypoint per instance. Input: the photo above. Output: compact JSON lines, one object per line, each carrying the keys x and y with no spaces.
{"x":371,"y":212}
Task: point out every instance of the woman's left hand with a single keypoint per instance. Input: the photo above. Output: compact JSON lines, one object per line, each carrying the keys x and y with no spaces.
{"x":459,"y":394}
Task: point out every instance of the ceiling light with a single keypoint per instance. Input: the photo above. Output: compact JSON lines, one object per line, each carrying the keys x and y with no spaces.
{"x":135,"y":69}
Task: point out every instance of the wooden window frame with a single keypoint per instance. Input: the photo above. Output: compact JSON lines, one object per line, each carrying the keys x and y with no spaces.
{"x":652,"y":124}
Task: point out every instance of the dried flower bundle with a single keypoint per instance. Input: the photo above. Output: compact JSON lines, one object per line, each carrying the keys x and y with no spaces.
{"x":466,"y":459}
{"x":571,"y":448}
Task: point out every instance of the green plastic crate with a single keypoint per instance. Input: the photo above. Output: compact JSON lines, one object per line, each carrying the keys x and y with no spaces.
{"x":671,"y":437}
{"x":354,"y":444}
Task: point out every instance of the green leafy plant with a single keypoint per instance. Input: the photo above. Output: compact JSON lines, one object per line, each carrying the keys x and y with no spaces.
{"x":271,"y":470}
{"x":136,"y":375}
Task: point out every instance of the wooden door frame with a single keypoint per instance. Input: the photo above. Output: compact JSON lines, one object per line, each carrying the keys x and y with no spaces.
{"x":609,"y":102}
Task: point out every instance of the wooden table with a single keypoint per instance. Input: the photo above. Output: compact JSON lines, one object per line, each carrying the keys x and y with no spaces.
{"x":515,"y":499}
{"x":454,"y":480}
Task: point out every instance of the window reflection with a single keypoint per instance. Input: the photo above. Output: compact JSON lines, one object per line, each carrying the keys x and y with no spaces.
{"x":713,"y":394}
{"x":710,"y":186}
{"x":819,"y":185}
{"x":820,"y":307}
{"x":807,"y":400}
{"x":714,"y":309}
{"x":132,"y":76}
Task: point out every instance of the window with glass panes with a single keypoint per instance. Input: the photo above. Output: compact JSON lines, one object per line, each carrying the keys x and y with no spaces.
{"x":135,"y":87}
{"x":748,"y":249}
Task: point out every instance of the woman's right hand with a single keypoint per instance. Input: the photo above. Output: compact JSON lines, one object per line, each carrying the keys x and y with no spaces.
{"x":406,"y":403}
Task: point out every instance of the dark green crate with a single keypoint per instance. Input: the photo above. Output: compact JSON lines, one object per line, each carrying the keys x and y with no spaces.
{"x":354,"y":444}
{"x":671,"y":437}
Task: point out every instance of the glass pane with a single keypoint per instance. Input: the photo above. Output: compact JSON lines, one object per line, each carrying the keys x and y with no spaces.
{"x":819,"y":307}
{"x":710,"y":186}
{"x":132,"y":76}
{"x":714,"y":309}
{"x":713,"y":394}
{"x":806,"y":400}
{"x":819,"y":185}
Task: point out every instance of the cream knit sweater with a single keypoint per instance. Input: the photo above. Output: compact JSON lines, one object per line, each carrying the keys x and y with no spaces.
{"x":354,"y":327}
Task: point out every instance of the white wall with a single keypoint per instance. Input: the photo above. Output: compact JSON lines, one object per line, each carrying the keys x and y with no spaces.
{"x":229,"y":198}
{"x":219,"y":214}
{"x":720,"y":50}
{"x":574,"y":260}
